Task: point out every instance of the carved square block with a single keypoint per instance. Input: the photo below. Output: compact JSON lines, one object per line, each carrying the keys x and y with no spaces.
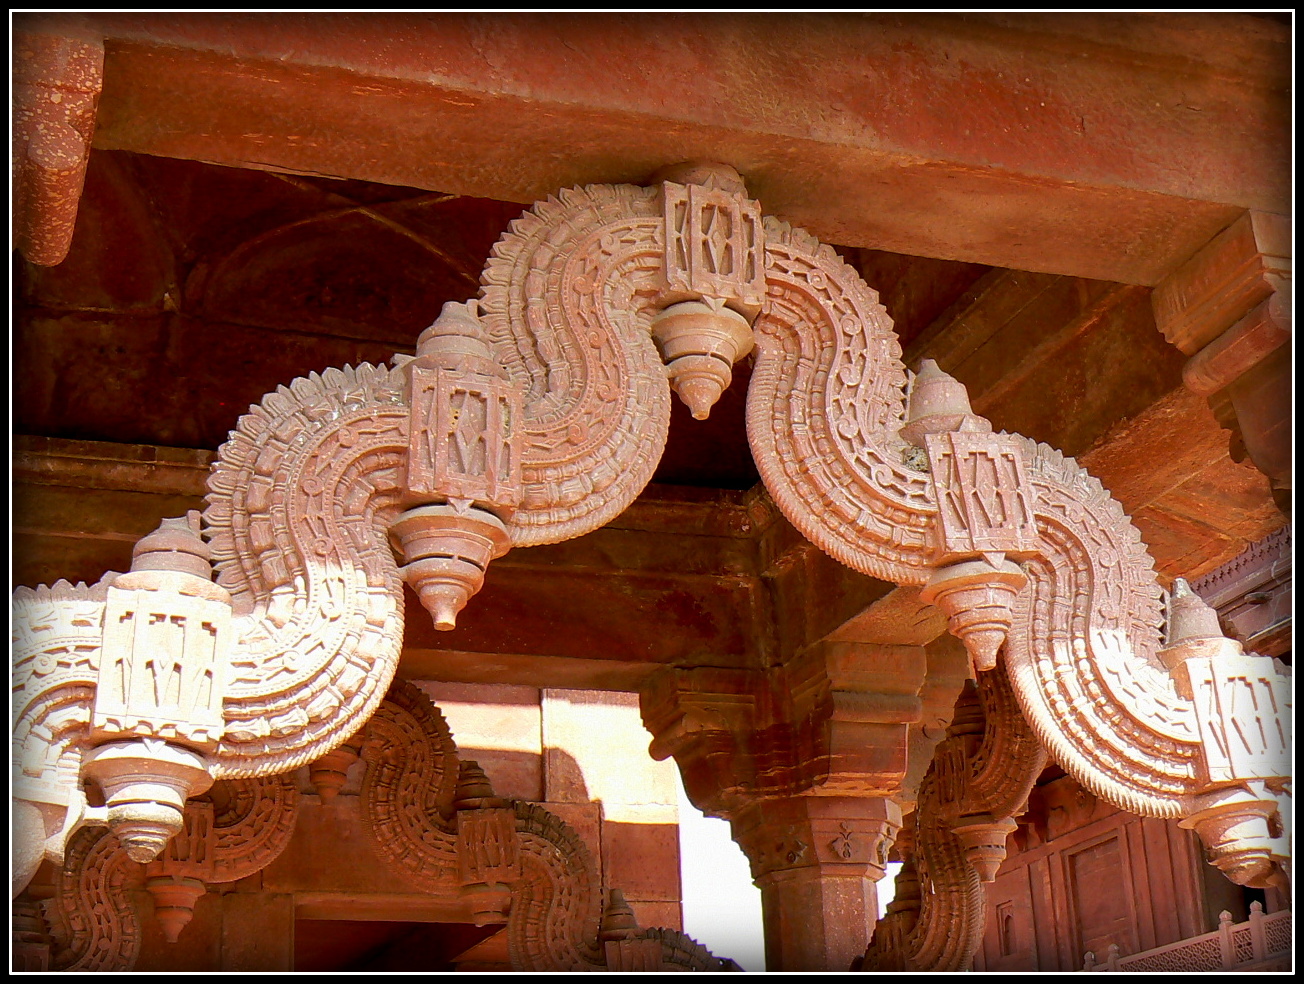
{"x":163,"y":670}
{"x":460,"y":443}
{"x":983,"y":494}
{"x":1243,"y":710}
{"x":714,"y":243}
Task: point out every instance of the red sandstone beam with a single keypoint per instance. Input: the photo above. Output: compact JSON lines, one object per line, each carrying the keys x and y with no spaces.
{"x":1105,"y":146}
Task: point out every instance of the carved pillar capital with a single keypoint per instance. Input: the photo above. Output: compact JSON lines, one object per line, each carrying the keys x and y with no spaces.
{"x":815,"y":860}
{"x":844,"y":836}
{"x":803,"y":762}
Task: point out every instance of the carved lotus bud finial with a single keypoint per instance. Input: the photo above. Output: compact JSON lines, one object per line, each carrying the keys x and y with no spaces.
{"x":174,"y":902}
{"x":618,"y":922}
{"x":983,"y":839}
{"x":978,"y":599}
{"x":447,"y":549}
{"x":1189,"y":617}
{"x":1193,"y":631}
{"x":700,"y":342}
{"x":1237,"y":829}
{"x":714,"y":279}
{"x":330,"y":772}
{"x":162,"y":680}
{"x":474,"y":791}
{"x":146,"y":784}
{"x":175,"y":546}
{"x":938,"y":403}
{"x":456,"y":334}
{"x":464,"y":460}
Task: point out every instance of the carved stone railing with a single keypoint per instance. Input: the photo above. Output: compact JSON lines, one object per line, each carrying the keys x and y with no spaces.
{"x":1260,"y":943}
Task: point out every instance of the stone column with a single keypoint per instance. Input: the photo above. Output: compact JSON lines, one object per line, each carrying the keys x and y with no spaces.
{"x":805,"y":761}
{"x":816,"y":860}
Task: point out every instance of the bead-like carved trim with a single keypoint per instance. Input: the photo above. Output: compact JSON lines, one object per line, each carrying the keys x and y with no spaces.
{"x":824,"y":408}
{"x":567,"y":299}
{"x":298,"y":501}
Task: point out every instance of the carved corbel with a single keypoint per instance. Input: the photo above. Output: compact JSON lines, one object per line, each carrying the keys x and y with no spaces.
{"x":464,"y":460}
{"x":57,"y":83}
{"x":979,"y":780}
{"x":577,"y":297}
{"x":1229,"y":309}
{"x":832,"y":439}
{"x":91,"y":920}
{"x":443,"y":826}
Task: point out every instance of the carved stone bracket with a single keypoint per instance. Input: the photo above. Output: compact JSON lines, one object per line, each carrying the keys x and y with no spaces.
{"x":1229,"y":309}
{"x":979,"y":780}
{"x":239,"y":828}
{"x":510,"y":861}
{"x":326,"y":484}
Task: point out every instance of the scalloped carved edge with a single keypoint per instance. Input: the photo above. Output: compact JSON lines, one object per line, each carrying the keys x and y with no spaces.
{"x":566,"y":298}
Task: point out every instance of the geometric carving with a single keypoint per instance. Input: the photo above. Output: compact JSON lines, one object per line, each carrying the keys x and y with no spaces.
{"x":464,"y":411}
{"x":567,"y":297}
{"x":715,"y":244}
{"x":1242,"y":709}
{"x":983,"y":496}
{"x":91,"y":916}
{"x":166,"y":636}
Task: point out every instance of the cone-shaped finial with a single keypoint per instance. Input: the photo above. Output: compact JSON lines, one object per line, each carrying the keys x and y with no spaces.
{"x":1189,"y":617}
{"x":700,"y":343}
{"x":618,"y":922}
{"x":938,"y":403}
{"x":457,"y":331}
{"x":474,"y":791}
{"x":174,"y":902}
{"x":175,"y":546}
